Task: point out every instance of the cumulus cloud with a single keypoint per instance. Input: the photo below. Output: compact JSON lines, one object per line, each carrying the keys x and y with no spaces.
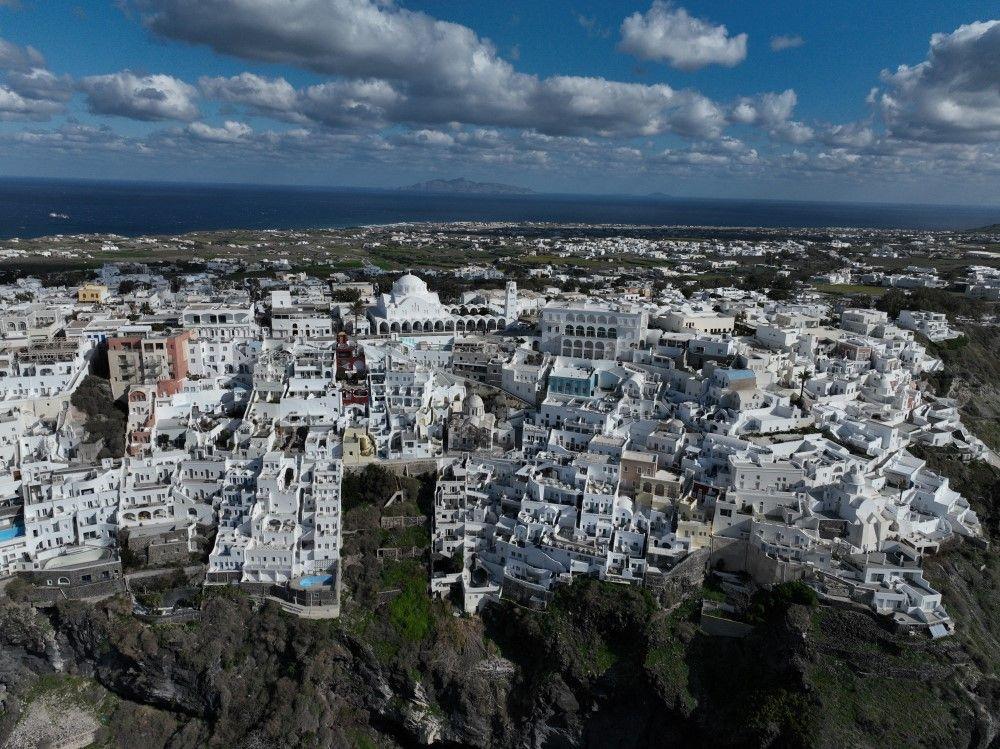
{"x":28,"y":90}
{"x":230,"y":132}
{"x":953,"y":95}
{"x":15,"y":57}
{"x":269,"y":95}
{"x":668,"y":33}
{"x":765,"y":109}
{"x":786,"y":41}
{"x":573,"y":105}
{"x":336,"y":103}
{"x":14,"y":106}
{"x":725,"y":155}
{"x":41,"y":85}
{"x":427,"y":138}
{"x":349,"y":102}
{"x":773,"y":112}
{"x":403,"y":89}
{"x":403,"y":66}
{"x":147,"y":97}
{"x":851,"y":135}
{"x":74,"y":138}
{"x":353,"y":38}
{"x":558,"y":105}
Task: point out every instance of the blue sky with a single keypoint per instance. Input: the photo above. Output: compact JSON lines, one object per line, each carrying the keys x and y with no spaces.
{"x":780,"y":99}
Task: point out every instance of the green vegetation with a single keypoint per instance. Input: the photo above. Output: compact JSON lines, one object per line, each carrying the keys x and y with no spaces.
{"x":971,"y":375}
{"x":105,"y":419}
{"x":768,"y":605}
{"x":850,"y":289}
{"x":933,"y":300}
{"x":411,"y":611}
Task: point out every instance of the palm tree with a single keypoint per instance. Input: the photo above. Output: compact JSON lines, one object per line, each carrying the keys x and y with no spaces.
{"x":357,"y":309}
{"x":804,"y":375}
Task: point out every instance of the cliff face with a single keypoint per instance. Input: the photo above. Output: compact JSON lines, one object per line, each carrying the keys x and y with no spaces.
{"x":261,"y":678}
{"x":604,"y":667}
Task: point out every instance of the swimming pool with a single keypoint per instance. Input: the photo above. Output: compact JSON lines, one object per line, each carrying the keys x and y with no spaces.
{"x":311,"y":580}
{"x":13,"y":532}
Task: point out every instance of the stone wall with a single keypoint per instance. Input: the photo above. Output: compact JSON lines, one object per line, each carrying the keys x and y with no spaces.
{"x":738,"y":555}
{"x":98,"y":580}
{"x":684,"y":577}
{"x":154,"y":549}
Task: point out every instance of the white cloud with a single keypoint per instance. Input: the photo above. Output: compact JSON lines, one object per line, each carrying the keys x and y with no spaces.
{"x":786,"y":41}
{"x":851,"y":135}
{"x":561,"y":104}
{"x":230,"y":132}
{"x":726,"y":155}
{"x":14,"y":106}
{"x":75,"y":138}
{"x":568,"y":105}
{"x":28,"y":90}
{"x":768,"y":109}
{"x":41,"y":85}
{"x":273,"y":95}
{"x":427,"y":138}
{"x":353,"y":38}
{"x":148,"y":97}
{"x":403,"y":66}
{"x":668,"y":33}
{"x":773,"y":112}
{"x":15,"y":57}
{"x":953,"y":95}
{"x":349,"y":102}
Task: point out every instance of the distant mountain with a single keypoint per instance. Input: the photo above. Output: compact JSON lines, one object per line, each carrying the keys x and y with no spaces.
{"x":660,"y":195}
{"x":466,"y":187}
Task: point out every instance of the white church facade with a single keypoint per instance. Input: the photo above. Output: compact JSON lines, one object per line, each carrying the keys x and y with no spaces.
{"x":410,"y":307}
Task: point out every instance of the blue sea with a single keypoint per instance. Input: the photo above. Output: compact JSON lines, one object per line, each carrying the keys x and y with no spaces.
{"x":33,"y":208}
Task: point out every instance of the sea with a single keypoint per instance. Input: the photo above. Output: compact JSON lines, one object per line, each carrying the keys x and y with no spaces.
{"x":36,"y":207}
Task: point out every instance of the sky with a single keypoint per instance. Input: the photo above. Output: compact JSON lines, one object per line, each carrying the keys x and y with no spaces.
{"x":890,"y":101}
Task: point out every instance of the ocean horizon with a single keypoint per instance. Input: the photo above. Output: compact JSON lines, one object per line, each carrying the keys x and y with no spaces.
{"x":40,"y":207}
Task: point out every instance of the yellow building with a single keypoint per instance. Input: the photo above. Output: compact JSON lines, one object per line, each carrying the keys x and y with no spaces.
{"x":92,"y":293}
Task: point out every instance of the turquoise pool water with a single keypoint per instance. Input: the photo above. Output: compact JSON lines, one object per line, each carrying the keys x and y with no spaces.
{"x":311,"y":580}
{"x":13,"y":532}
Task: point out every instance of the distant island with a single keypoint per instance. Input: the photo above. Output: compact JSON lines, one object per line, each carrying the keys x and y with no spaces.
{"x":466,"y":187}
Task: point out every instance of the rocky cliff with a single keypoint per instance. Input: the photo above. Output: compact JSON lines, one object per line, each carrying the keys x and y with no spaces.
{"x":603,"y":667}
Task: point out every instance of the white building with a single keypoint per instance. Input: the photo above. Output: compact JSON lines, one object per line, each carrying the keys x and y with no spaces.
{"x":410,"y":307}
{"x":591,"y":331}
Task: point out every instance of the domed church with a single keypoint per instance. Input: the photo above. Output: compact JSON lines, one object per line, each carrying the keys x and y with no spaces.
{"x":410,"y":307}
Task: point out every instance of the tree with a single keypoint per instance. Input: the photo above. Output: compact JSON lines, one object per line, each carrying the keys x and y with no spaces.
{"x":804,"y":376}
{"x":345,"y":295}
{"x":357,"y":309}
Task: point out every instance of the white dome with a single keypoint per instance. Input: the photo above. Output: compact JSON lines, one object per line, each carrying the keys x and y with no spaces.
{"x":408,"y":285}
{"x":474,"y":405}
